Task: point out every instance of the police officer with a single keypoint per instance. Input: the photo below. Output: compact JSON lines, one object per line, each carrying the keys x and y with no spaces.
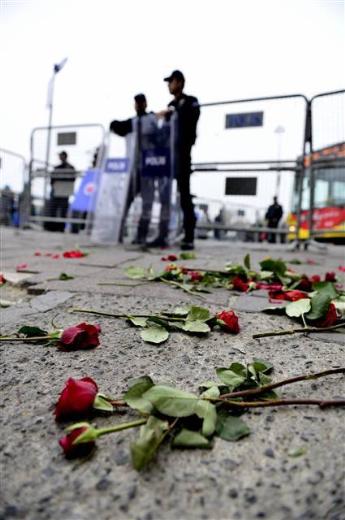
{"x":142,"y":124}
{"x":184,"y":110}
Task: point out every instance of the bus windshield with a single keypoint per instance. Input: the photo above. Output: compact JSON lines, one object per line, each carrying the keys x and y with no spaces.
{"x":329,"y":189}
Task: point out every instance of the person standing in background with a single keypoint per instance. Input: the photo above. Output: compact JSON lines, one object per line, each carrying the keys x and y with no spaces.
{"x":273,"y":215}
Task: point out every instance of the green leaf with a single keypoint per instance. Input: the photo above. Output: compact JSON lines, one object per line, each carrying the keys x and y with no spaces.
{"x":133,"y":396}
{"x":30,"y":332}
{"x":198,"y":314}
{"x":198,"y":327}
{"x":150,"y":437}
{"x":238,"y":368}
{"x":178,"y":312}
{"x":296,"y":309}
{"x":230,"y":378}
{"x":297,"y":452}
{"x":65,"y":276}
{"x":155,"y":334}
{"x":340,"y":306}
{"x":155,"y":320}
{"x":171,"y":401}
{"x":137,"y":322}
{"x":102,"y":403}
{"x":277,"y":266}
{"x":186,"y":255}
{"x":275,"y":309}
{"x":265,"y":275}
{"x":136,"y":273}
{"x":246,"y":261}
{"x":262,"y":366}
{"x":326,"y":288}
{"x":189,"y":439}
{"x":295,"y":261}
{"x":319,"y":306}
{"x":88,"y":435}
{"x":212,"y":392}
{"x":207,"y":411}
{"x":231,"y":428}
{"x":236,"y":269}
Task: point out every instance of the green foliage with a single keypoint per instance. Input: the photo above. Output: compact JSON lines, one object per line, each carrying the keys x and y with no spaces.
{"x":30,"y":332}
{"x":246,"y":261}
{"x":137,"y":322}
{"x":150,"y":437}
{"x":134,"y":395}
{"x":190,"y":439}
{"x":319,"y":305}
{"x":278,"y":267}
{"x":231,"y":428}
{"x":198,"y":314}
{"x":297,"y":308}
{"x":155,"y":334}
{"x":136,"y":273}
{"x":187,"y":255}
{"x":102,"y":403}
{"x":65,"y":277}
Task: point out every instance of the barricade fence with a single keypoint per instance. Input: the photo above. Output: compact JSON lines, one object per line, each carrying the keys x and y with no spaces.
{"x":247,"y":151}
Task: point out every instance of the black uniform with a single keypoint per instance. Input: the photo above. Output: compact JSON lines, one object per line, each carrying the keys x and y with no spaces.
{"x":273,"y":216}
{"x":188,"y":112}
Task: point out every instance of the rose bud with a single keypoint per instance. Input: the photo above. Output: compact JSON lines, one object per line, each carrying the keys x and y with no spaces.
{"x":330,"y":277}
{"x":330,"y":318}
{"x":80,"y":336}
{"x":305,"y":284}
{"x":77,"y":398}
{"x":195,"y":276}
{"x":239,"y":285}
{"x":290,"y":296}
{"x":315,"y":278}
{"x":228,"y":321}
{"x":169,"y":258}
{"x":72,"y":450}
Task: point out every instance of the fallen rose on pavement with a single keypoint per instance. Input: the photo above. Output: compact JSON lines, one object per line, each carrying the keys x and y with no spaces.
{"x":80,"y":336}
{"x":228,"y":320}
{"x":76,"y":398}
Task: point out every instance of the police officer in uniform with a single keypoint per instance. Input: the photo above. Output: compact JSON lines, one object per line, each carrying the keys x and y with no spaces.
{"x":184,"y":111}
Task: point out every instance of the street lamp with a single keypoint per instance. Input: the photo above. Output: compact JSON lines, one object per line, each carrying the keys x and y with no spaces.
{"x":57,"y":67}
{"x":280,"y":130}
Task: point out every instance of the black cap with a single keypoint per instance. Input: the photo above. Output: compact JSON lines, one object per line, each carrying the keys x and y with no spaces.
{"x":176,"y":74}
{"x":140,"y":98}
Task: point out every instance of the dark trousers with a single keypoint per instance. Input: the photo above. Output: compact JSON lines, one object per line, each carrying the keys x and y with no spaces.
{"x":183,"y":183}
{"x":57,"y":207}
{"x":272,"y":236}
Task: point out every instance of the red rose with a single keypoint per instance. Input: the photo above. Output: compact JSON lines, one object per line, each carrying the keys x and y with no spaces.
{"x":239,"y":284}
{"x":20,"y":267}
{"x":169,"y":258}
{"x":2,"y":279}
{"x":76,"y":398}
{"x":330,"y":318}
{"x":311,"y":262}
{"x":290,"y":296}
{"x":341,"y":268}
{"x":55,"y":257}
{"x":330,"y":277}
{"x":73,"y":254}
{"x":80,"y":336}
{"x":195,"y":276}
{"x":75,"y":450}
{"x":229,"y":321}
{"x":269,"y":286}
{"x":315,"y":278}
{"x":38,"y":253}
{"x":305,"y":284}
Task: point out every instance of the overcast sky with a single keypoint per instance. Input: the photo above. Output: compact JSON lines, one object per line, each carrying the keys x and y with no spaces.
{"x":227,"y":49}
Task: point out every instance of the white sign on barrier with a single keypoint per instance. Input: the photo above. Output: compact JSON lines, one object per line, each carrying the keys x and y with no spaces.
{"x":111,"y":199}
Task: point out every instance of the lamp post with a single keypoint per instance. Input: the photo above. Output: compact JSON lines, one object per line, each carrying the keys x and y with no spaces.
{"x":280,"y":130}
{"x":57,"y":67}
